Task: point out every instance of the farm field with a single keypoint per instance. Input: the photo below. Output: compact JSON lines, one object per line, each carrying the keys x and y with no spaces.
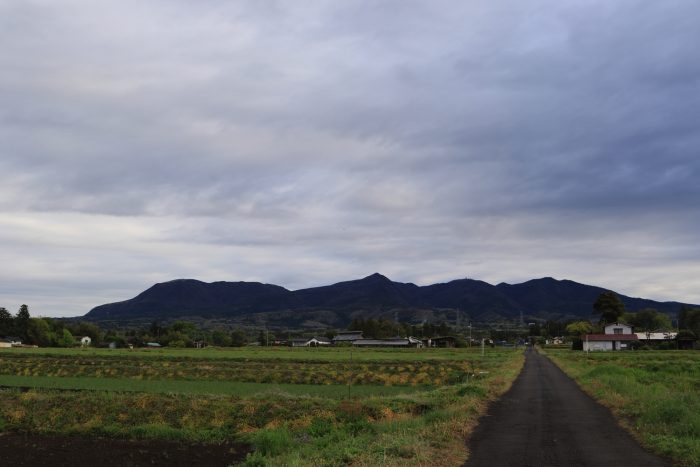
{"x":261,"y":353}
{"x":405,"y":407}
{"x":422,"y":370}
{"x":655,"y":394}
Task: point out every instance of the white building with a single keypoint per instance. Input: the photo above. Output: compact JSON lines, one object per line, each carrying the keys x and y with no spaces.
{"x":656,"y":336}
{"x":313,"y":342}
{"x":618,"y":336}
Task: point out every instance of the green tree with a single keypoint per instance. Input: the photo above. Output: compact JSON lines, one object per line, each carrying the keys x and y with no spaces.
{"x":39,"y":333}
{"x":21,"y":322}
{"x":609,"y":306}
{"x":689,"y":320}
{"x":6,"y":324}
{"x":66,"y":339}
{"x":176,"y":339}
{"x":238,"y":338}
{"x":220,"y":338}
{"x":649,"y":320}
{"x":579,"y":328}
{"x":184,"y":327}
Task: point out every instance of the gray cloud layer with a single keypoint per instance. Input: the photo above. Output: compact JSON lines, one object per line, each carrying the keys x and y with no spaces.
{"x":303,"y":144}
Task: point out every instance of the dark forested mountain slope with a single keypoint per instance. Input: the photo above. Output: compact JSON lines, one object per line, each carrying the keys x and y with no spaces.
{"x":373,"y":295}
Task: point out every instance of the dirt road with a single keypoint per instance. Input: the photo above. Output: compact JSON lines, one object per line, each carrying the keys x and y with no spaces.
{"x":546,"y":420}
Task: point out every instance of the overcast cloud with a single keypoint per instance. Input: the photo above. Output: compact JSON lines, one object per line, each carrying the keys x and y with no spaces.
{"x":304,"y":143}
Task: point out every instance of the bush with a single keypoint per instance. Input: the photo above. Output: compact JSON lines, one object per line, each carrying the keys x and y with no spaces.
{"x":272,"y":442}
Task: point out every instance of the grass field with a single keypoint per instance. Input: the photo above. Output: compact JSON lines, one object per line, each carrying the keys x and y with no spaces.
{"x":407,"y":407}
{"x":655,"y":394}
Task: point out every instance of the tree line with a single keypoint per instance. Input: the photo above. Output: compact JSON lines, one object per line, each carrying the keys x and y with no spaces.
{"x":44,"y":332}
{"x":383,"y":328}
{"x":49,"y":332}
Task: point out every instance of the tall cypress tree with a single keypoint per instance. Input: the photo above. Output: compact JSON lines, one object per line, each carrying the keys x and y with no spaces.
{"x":21,"y":322}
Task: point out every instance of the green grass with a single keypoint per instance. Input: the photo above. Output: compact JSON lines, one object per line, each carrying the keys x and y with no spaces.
{"x":234,"y":388}
{"x":655,"y":394}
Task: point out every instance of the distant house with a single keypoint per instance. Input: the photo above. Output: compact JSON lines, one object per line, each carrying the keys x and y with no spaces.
{"x":394,"y":342}
{"x":7,"y":342}
{"x":347,"y":337}
{"x":312,"y":342}
{"x":617,"y":336}
{"x":84,"y":341}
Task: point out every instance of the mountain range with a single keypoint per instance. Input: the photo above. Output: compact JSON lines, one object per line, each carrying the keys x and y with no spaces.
{"x":255,"y":303}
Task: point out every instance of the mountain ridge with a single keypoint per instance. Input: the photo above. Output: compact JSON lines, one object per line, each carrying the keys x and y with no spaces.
{"x":371,"y":296}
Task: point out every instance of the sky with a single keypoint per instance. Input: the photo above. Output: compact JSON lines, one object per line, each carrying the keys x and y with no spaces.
{"x":306,"y":143}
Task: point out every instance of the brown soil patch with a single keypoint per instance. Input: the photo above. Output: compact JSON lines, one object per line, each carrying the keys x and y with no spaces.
{"x":18,"y":449}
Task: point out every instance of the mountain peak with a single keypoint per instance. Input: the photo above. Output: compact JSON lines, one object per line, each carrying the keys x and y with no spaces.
{"x":376,"y":277}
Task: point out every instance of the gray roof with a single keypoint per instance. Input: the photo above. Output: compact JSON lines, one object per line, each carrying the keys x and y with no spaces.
{"x":348,"y":336}
{"x":383,"y":342}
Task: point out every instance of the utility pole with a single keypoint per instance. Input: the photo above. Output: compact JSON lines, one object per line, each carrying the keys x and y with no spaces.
{"x":351,"y":373}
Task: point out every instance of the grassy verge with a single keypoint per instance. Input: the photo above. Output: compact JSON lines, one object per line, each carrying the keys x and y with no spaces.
{"x":655,"y":395}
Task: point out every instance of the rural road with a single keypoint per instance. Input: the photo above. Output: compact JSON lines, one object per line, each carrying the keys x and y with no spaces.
{"x":546,"y":420}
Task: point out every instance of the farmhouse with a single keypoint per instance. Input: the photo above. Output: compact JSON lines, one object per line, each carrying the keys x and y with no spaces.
{"x":347,"y":337}
{"x":617,"y":336}
{"x":312,"y":342}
